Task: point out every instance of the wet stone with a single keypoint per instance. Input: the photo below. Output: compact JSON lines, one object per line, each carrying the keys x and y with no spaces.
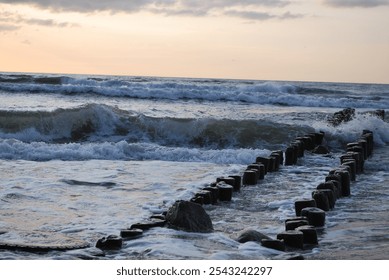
{"x":188,"y":216}
{"x":161,"y":217}
{"x":148,"y":225}
{"x":40,"y":242}
{"x":273,"y":244}
{"x":111,"y":242}
{"x":131,"y":233}
{"x":251,"y":235}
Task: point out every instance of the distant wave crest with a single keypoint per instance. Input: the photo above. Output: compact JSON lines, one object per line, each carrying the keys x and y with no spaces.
{"x":272,"y":93}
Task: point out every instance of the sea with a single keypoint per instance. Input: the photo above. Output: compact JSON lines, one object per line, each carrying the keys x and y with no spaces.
{"x":83,"y":157}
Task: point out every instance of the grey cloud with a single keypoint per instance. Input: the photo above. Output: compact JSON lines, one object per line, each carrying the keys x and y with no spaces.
{"x":260,"y":16}
{"x":162,"y":6}
{"x":245,"y":9}
{"x":288,"y":15}
{"x":47,"y":22}
{"x":356,"y":3}
{"x":251,"y":15}
{"x":12,"y":21}
{"x":83,"y":5}
{"x":8,"y":27}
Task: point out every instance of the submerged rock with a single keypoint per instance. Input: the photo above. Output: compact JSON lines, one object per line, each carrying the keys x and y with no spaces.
{"x":39,"y":242}
{"x":188,"y":216}
{"x":251,"y":235}
{"x":111,"y":242}
{"x":273,"y":244}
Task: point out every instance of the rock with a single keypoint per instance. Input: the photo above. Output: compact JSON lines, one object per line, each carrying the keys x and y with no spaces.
{"x":273,"y":244}
{"x":321,"y":150}
{"x":161,"y":217}
{"x":148,"y":224}
{"x":131,"y":233}
{"x":188,"y":216}
{"x":251,"y":235}
{"x":111,"y":242}
{"x":40,"y":242}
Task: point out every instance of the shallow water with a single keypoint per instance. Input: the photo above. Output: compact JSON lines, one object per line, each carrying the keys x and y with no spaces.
{"x":89,"y":200}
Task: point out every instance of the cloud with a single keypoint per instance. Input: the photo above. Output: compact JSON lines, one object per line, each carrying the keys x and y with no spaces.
{"x":256,"y":10}
{"x":356,"y":3}
{"x":47,"y":22}
{"x":137,"y":5}
{"x":252,"y":15}
{"x":241,"y":8}
{"x":8,"y":27}
{"x":261,"y":16}
{"x":13,"y":21}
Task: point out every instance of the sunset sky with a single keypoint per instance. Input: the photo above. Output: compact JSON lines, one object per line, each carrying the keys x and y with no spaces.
{"x":309,"y":40}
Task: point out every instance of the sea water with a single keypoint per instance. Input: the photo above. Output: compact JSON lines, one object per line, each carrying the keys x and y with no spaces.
{"x":83,"y":157}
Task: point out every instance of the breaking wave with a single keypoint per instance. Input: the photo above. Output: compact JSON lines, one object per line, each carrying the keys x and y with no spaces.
{"x":257,"y":92}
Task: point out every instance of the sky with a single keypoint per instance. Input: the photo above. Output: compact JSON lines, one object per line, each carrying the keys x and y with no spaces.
{"x":305,"y":40}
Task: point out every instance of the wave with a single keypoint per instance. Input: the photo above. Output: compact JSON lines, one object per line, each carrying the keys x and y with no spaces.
{"x":102,"y":132}
{"x":257,"y":92}
{"x":11,"y":149}
{"x":100,"y":123}
{"x":350,"y":131}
